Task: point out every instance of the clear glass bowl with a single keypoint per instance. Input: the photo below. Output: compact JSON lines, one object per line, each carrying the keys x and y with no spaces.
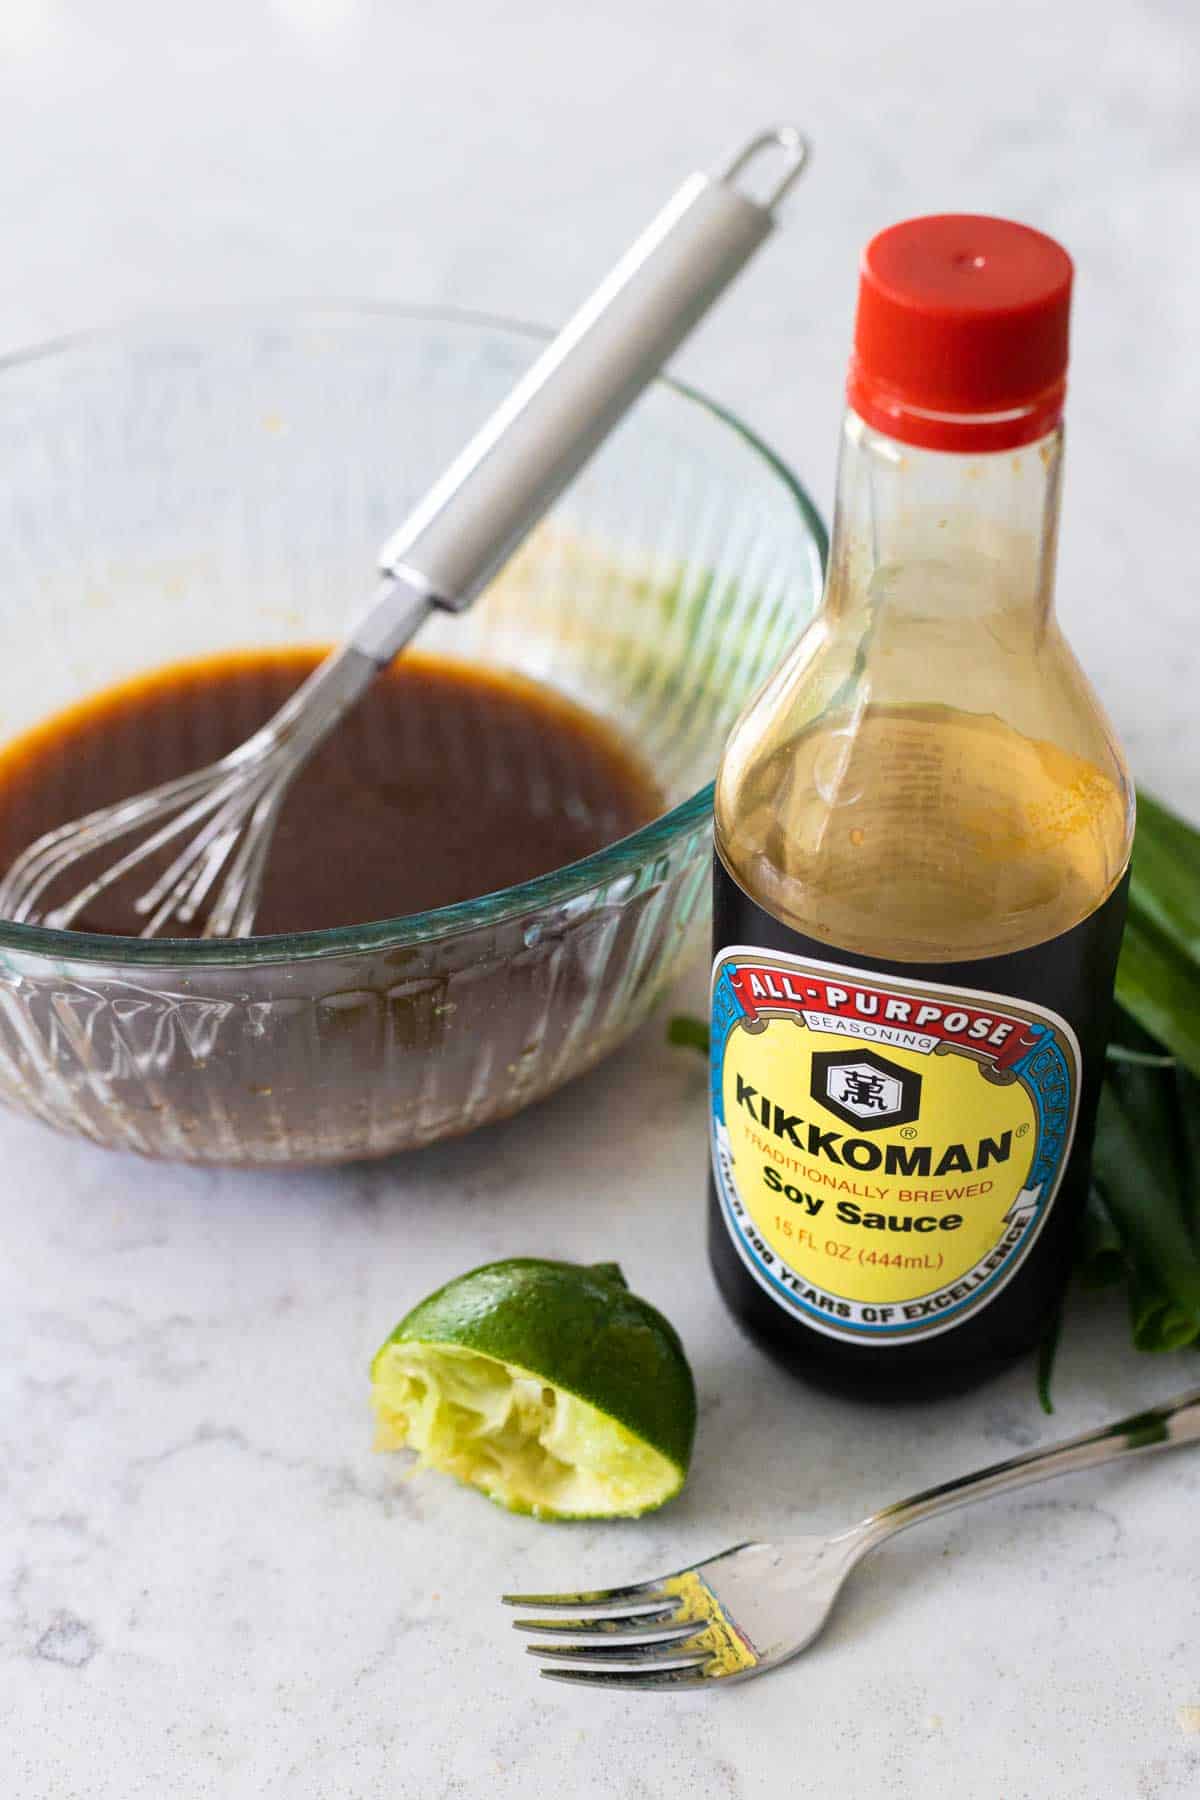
{"x":224,"y":481}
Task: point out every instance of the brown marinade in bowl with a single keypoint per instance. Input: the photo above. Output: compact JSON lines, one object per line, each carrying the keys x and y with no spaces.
{"x":212,"y":489}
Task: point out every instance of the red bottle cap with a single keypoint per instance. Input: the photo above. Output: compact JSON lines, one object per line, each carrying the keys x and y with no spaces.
{"x":961,"y":337}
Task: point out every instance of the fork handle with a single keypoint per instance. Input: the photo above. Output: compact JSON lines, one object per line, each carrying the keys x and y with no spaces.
{"x":1175,"y":1422}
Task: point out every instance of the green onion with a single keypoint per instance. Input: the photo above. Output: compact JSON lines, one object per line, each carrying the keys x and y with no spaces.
{"x":1158,"y":976}
{"x":1146,"y":1178}
{"x":1143,"y":1220}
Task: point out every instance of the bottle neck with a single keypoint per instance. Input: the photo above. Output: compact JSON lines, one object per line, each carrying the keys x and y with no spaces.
{"x":937,"y":536}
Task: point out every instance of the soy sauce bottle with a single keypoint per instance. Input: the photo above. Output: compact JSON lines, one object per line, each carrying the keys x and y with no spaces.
{"x":923,"y":828}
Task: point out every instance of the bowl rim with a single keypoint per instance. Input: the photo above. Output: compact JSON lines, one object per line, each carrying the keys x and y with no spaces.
{"x":505,"y":904}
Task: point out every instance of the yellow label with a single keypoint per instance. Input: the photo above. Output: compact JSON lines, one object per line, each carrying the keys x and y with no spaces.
{"x":885,"y":1152}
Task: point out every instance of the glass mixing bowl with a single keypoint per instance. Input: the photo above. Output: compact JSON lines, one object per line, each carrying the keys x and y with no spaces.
{"x":219,"y":482}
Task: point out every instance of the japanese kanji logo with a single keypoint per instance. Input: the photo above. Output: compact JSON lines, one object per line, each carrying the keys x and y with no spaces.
{"x":864,"y":1089}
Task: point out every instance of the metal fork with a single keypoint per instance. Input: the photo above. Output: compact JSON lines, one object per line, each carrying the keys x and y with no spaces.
{"x":742,"y":1612}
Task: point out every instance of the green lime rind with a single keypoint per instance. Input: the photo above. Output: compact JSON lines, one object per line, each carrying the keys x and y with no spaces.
{"x":579,"y":1330}
{"x":577,"y":1327}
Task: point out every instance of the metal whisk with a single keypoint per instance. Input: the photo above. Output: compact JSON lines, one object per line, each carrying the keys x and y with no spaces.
{"x":445,"y":553}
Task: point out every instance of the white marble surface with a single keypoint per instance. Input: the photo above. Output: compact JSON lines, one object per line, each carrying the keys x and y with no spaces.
{"x":210,"y":1587}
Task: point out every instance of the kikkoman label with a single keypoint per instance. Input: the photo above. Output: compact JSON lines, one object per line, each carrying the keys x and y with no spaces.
{"x":885,"y":1152}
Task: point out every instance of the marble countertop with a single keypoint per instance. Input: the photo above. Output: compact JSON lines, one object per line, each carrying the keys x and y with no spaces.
{"x":209,"y":1585}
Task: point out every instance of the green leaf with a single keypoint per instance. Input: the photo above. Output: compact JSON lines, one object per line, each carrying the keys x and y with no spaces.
{"x":689,"y":1033}
{"x":1145,"y":1171}
{"x":1158,"y":976}
{"x":1100,"y":1260}
{"x":1165,"y":882}
{"x":1147,"y":1059}
{"x":1156,"y":1322}
{"x":1160,"y":986}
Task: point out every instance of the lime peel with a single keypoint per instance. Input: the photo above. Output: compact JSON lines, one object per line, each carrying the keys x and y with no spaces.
{"x":592,"y":1418}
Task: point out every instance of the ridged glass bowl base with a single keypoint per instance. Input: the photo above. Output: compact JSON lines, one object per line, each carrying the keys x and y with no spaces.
{"x":352,"y":1055}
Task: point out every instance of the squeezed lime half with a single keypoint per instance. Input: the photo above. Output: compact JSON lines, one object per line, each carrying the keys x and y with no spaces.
{"x":547,"y":1385}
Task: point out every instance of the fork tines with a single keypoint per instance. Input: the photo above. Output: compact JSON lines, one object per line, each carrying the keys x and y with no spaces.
{"x":630,"y":1637}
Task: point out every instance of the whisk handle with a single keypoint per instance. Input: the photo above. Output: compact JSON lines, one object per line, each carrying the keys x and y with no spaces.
{"x":506,"y":478}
